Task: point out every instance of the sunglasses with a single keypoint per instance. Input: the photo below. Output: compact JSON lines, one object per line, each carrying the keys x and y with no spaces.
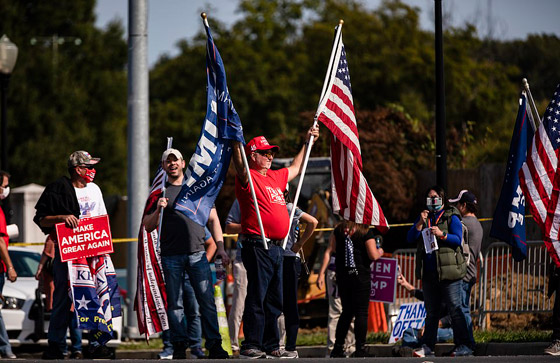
{"x":267,"y":153}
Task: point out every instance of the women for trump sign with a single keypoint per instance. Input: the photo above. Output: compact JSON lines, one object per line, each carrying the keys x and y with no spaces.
{"x":383,"y":280}
{"x":92,"y":237}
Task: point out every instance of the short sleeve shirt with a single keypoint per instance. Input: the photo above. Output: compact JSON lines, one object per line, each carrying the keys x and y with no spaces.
{"x":179,"y":233}
{"x":91,"y":201}
{"x":269,"y":190}
{"x":361,"y":257}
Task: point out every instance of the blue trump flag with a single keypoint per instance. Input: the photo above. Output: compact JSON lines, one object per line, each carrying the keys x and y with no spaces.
{"x":209,"y":164}
{"x":509,"y":217}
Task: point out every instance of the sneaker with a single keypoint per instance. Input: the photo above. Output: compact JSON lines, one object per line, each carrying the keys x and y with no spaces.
{"x":553,"y":348}
{"x":279,"y":354}
{"x":9,"y":355}
{"x":197,"y":353}
{"x":77,"y":355}
{"x":424,"y":351}
{"x":462,"y":351}
{"x":252,"y":354}
{"x":216,"y":352}
{"x":166,"y":354}
{"x":290,"y":354}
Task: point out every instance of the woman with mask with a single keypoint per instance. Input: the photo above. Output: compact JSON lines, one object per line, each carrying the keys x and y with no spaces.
{"x":355,"y":249}
{"x":441,"y":266}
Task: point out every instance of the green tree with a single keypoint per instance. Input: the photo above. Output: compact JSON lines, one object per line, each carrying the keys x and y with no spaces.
{"x":71,"y":99}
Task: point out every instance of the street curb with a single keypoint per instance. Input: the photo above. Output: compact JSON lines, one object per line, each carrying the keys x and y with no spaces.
{"x":385,"y":350}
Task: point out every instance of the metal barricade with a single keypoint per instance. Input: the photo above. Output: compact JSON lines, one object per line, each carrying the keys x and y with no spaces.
{"x":507,"y":286}
{"x":504,"y":286}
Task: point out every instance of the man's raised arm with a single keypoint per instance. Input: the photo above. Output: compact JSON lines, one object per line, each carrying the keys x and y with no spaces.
{"x":295,"y":168}
{"x":238,"y":163}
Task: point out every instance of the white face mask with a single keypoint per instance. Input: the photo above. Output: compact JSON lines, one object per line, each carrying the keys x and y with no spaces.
{"x":5,"y":193}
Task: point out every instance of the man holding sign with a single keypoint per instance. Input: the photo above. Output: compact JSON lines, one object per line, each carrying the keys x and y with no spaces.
{"x":67,"y":200}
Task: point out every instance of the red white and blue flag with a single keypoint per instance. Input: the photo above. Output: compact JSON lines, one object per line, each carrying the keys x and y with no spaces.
{"x":95,"y":294}
{"x":540,"y":177}
{"x":351,"y":196}
{"x":150,"y":302}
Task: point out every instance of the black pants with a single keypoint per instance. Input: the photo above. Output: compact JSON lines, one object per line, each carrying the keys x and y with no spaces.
{"x":554,"y":282}
{"x":291,"y":272}
{"x":354,"y":294}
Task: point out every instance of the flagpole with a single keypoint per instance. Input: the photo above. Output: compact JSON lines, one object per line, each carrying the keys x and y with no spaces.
{"x":531,"y":103}
{"x":330,"y":66}
{"x":163,"y":188}
{"x":246,"y":165}
{"x":309,"y":143}
{"x":252,"y":187}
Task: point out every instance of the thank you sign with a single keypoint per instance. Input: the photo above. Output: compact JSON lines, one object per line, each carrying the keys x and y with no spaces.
{"x":92,"y":237}
{"x":383,"y":280}
{"x":410,"y":315}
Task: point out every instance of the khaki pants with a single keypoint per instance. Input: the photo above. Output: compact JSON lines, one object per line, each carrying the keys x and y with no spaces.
{"x":238,"y":302}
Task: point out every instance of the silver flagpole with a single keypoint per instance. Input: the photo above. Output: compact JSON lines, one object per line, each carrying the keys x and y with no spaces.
{"x":163,"y":188}
{"x":246,"y":164}
{"x":532,"y":109}
{"x":309,"y":143}
{"x":252,"y":187}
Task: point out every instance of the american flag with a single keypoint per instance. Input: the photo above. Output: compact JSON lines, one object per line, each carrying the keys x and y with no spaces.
{"x":352,"y":198}
{"x":540,"y":177}
{"x":151,"y":298}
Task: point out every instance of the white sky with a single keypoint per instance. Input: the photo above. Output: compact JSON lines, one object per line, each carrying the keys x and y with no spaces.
{"x":171,"y":20}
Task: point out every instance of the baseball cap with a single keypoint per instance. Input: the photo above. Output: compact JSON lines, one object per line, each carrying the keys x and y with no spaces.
{"x":464,"y":196}
{"x":260,"y":143}
{"x":81,"y":157}
{"x":168,"y":152}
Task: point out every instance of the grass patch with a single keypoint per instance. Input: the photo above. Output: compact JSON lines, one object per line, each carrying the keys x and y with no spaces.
{"x":318,"y":336}
{"x":512,"y":336}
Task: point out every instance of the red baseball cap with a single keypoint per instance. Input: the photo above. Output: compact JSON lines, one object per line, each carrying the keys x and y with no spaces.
{"x":260,"y":143}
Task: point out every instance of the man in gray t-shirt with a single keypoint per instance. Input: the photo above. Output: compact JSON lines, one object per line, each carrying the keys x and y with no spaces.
{"x":467,"y":204}
{"x":182,"y":252}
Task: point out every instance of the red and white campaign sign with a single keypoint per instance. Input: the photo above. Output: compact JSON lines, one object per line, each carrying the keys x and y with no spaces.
{"x":92,"y":237}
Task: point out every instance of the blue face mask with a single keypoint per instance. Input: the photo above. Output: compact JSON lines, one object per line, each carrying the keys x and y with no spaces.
{"x":434,"y":204}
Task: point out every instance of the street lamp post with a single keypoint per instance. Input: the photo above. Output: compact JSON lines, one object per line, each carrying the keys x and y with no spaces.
{"x":8,"y":57}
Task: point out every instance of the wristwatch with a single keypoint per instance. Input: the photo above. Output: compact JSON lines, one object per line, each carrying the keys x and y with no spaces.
{"x":444,"y":235}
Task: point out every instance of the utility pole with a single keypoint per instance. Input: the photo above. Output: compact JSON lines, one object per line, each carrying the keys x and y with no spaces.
{"x":138,"y":140}
{"x":441,"y":148}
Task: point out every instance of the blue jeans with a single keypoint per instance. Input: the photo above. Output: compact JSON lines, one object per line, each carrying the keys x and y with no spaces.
{"x":450,"y":293}
{"x":466,"y":303}
{"x":175,"y":269}
{"x":75,"y":335}
{"x":192,"y":317}
{"x":411,"y":336}
{"x":263,"y":304}
{"x":5,"y":347}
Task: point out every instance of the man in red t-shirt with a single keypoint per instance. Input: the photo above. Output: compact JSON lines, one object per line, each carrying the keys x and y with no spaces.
{"x":263,"y":304}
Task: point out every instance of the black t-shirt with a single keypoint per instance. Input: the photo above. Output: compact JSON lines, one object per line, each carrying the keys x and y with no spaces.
{"x":361,"y":257}
{"x":179,"y":234}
